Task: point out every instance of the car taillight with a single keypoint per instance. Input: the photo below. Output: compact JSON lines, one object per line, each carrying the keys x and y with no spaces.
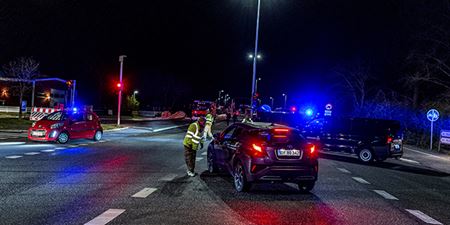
{"x":389,"y":140}
{"x":312,"y":149}
{"x":257,"y":147}
{"x":257,"y":150}
{"x":281,"y":130}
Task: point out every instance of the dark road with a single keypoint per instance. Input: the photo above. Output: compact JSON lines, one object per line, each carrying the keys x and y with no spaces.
{"x":137,"y":176}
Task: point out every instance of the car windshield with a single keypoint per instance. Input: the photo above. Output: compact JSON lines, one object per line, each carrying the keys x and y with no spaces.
{"x":56,"y":116}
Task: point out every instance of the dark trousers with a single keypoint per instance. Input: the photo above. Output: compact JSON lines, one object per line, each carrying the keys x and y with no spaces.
{"x":189,"y":156}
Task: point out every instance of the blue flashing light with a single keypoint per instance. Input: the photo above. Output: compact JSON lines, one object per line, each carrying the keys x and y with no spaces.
{"x":309,"y":112}
{"x":75,"y":109}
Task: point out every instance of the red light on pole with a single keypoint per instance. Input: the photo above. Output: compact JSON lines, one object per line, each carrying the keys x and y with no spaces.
{"x":119,"y":85}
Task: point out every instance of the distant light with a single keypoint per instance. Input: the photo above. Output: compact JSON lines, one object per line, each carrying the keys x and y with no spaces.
{"x":309,"y":112}
{"x":250,"y":56}
{"x":258,"y":56}
{"x":293,"y":109}
{"x":119,"y":85}
{"x":75,"y":109}
{"x":136,"y":92}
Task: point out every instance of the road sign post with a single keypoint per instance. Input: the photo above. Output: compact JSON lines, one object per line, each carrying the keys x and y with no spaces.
{"x":432,"y":116}
{"x":444,"y":138}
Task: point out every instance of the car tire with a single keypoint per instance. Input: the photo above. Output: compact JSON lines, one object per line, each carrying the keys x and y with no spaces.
{"x":98,"y":135}
{"x":306,"y":186}
{"x":63,"y":138}
{"x":239,"y":179}
{"x":365,"y":155}
{"x":212,"y":167}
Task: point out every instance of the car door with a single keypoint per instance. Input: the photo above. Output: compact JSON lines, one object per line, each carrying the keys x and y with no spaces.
{"x":77,"y":127}
{"x":221,"y":144}
{"x":90,"y":125}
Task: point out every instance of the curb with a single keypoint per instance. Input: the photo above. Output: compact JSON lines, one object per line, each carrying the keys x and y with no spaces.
{"x":115,"y":129}
{"x":13,"y":131}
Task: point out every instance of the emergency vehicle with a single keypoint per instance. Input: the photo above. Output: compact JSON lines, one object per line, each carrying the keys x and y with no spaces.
{"x":200,"y":108}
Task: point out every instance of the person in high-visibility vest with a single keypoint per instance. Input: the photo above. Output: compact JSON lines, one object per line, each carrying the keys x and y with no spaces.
{"x":208,"y":127}
{"x":247,"y":119}
{"x":192,"y":142}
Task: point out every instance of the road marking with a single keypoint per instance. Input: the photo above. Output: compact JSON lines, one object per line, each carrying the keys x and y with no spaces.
{"x":168,"y":128}
{"x":116,"y":129}
{"x":60,"y":148}
{"x":198,"y":159}
{"x":344,"y":170}
{"x":409,"y":161}
{"x":48,"y":150}
{"x":102,"y":141}
{"x":12,"y":143}
{"x":385,"y":195}
{"x":424,"y":153}
{"x":84,"y":144}
{"x":360,"y":180}
{"x":13,"y":157}
{"x":144,"y":193}
{"x":168,"y":177}
{"x":204,"y":153}
{"x":72,"y":146}
{"x":105,"y":217}
{"x":32,"y":153}
{"x":424,"y":217}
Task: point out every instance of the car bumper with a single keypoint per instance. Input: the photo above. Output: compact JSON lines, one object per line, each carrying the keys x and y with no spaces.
{"x":49,"y":135}
{"x":383,"y":152}
{"x":281,"y":172}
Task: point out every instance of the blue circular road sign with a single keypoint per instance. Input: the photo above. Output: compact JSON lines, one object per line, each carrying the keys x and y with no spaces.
{"x":432,"y":115}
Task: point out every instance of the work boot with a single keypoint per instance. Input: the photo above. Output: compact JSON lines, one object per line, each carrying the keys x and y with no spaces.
{"x":191,"y":174}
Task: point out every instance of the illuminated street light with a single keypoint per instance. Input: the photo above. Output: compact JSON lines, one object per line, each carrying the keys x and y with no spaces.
{"x":255,"y":58}
{"x":4,"y":92}
{"x":258,"y":56}
{"x":256,"y":85}
{"x":271,"y":98}
{"x":135,"y":93}
{"x":285,"y":99}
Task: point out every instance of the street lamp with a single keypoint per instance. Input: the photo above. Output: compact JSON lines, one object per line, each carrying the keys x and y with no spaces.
{"x":135,"y":93}
{"x":271,"y":99}
{"x":285,"y":99}
{"x":258,"y":56}
{"x":120,"y":86}
{"x":255,"y":58}
{"x":218,"y":101}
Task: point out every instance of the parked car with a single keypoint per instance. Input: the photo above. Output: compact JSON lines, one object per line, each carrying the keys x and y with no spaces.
{"x":263,"y":152}
{"x":62,"y":126}
{"x":369,"y":139}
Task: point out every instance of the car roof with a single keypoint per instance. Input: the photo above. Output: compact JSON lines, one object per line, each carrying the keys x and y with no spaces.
{"x":262,"y":125}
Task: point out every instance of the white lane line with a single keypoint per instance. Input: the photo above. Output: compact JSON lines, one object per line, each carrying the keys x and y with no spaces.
{"x":168,"y":128}
{"x":144,"y":193}
{"x":105,"y":217}
{"x":385,"y":195}
{"x":198,"y":159}
{"x":72,"y":146}
{"x":84,"y":144}
{"x":204,"y":153}
{"x":344,"y":170}
{"x":13,"y":157}
{"x":48,"y":150}
{"x":32,"y":153}
{"x":12,"y":143}
{"x":360,"y":180}
{"x":409,"y":161}
{"x":424,"y":217}
{"x":60,"y":148}
{"x":427,"y":154}
{"x":168,"y":177}
{"x":102,"y":141}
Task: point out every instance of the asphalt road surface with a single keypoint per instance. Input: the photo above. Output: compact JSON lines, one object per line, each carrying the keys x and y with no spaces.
{"x":137,"y":176}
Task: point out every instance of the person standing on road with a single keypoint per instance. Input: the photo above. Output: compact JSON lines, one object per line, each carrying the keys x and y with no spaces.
{"x":208,"y":127}
{"x":192,"y":142}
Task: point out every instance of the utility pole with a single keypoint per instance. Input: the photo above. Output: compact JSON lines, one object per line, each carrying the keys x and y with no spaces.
{"x":255,"y":58}
{"x":121,"y":58}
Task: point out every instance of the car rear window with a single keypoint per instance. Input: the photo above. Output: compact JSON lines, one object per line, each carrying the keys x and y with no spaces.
{"x":56,"y":116}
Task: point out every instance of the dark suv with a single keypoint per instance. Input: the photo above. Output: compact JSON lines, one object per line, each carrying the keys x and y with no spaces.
{"x":261,"y":152}
{"x":369,"y":139}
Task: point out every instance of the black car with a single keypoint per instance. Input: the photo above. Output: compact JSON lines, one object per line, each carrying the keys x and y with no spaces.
{"x":264,"y":152}
{"x":369,"y":139}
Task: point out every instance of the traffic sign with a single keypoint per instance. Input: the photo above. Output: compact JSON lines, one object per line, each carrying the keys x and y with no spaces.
{"x":328,"y":106}
{"x":432,"y":115}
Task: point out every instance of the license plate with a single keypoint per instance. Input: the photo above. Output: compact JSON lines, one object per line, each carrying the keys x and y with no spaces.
{"x":37,"y":133}
{"x":285,"y":152}
{"x":397,"y":146}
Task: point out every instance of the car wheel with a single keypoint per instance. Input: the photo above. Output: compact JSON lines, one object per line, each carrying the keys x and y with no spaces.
{"x":365,"y":155}
{"x":240,"y":181}
{"x":63,"y":138}
{"x":212,"y":167}
{"x":98,"y":135}
{"x":306,"y":186}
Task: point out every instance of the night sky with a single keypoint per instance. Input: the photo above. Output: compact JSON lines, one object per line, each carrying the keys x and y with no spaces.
{"x":183,"y":50}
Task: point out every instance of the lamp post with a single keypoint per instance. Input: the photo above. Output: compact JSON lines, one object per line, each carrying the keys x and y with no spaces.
{"x":121,"y":58}
{"x":285,"y":99}
{"x":271,"y":99}
{"x":256,"y":84}
{"x":135,"y":93}
{"x":255,"y":58}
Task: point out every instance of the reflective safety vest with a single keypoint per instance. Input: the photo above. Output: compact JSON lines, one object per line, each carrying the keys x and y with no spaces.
{"x":247,"y":120}
{"x":193,"y":136}
{"x":209,"y":119}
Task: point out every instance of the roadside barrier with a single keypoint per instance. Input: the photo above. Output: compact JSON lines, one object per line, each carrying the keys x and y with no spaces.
{"x":38,"y":113}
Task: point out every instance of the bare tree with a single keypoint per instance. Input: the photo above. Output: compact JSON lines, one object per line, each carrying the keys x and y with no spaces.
{"x":23,"y":70}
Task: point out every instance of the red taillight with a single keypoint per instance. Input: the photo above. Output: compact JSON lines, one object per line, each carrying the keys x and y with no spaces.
{"x":281,"y":130}
{"x":312,"y":149}
{"x":257,"y":147}
{"x":389,"y":140}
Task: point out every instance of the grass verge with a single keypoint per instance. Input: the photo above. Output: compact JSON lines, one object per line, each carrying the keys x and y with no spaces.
{"x":14,"y":124}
